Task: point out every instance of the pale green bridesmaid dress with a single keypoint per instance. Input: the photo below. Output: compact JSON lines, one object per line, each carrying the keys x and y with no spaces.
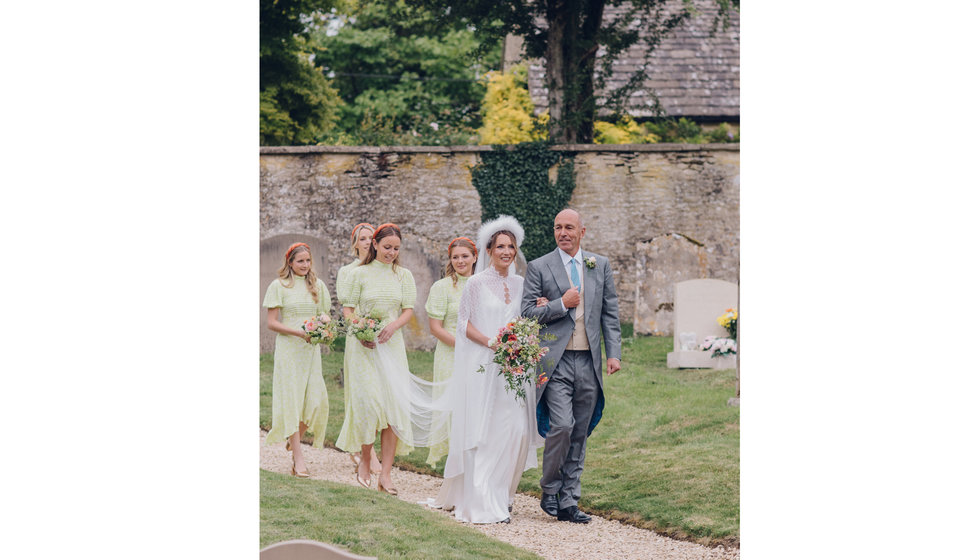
{"x":298,"y":391}
{"x":375,"y":288}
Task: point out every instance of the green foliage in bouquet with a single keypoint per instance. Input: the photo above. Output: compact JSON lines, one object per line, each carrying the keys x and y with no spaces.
{"x":517,"y":350}
{"x":365,"y":327}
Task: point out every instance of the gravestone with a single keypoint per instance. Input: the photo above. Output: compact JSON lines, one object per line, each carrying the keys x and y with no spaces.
{"x":661,"y":262}
{"x":697,"y":306}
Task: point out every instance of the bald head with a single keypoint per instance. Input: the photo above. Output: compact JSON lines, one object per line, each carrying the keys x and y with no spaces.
{"x":569,"y":231}
{"x":570,"y":214}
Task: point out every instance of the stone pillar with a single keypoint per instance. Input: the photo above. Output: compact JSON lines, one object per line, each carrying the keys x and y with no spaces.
{"x":513,"y":52}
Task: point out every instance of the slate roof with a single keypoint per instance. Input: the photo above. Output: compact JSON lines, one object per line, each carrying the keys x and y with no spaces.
{"x":694,"y":74}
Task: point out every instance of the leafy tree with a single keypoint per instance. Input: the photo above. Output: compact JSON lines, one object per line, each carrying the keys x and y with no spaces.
{"x":296,"y":102}
{"x":508,"y":113}
{"x":568,"y":34}
{"x":403,"y":73}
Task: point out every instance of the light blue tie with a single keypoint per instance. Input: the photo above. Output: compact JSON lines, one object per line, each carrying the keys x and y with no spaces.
{"x":575,"y":279}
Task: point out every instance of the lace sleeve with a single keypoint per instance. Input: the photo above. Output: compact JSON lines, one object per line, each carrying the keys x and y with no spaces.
{"x":517,"y":287}
{"x":467,"y":305}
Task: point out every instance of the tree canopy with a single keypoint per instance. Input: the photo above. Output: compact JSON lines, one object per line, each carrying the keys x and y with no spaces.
{"x":568,"y":34}
{"x":296,"y":102}
{"x":403,"y":72}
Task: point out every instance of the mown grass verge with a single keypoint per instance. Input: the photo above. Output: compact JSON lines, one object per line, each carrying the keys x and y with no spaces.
{"x":367,"y":523}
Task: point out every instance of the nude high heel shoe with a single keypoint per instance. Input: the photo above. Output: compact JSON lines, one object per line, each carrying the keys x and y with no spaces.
{"x":299,"y":474}
{"x":365,"y":482}
{"x":392,"y":491}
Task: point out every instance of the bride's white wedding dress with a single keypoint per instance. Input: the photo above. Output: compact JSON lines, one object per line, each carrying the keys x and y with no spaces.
{"x":492,"y":439}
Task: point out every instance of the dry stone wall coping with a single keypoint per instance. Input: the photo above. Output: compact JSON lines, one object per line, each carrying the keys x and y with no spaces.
{"x":595,"y":148}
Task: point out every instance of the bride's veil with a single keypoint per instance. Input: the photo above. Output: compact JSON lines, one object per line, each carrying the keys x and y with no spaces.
{"x":469,"y":394}
{"x":503,"y":222}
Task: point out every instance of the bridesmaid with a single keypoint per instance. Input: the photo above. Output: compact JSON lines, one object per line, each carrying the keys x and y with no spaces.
{"x":360,"y":242}
{"x":442,"y":307}
{"x":380,"y":286}
{"x":299,"y":395}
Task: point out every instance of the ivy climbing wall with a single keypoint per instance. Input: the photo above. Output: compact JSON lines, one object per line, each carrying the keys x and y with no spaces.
{"x":661,"y":213}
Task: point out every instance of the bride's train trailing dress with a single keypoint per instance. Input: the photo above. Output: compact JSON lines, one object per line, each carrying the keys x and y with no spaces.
{"x":492,"y":439}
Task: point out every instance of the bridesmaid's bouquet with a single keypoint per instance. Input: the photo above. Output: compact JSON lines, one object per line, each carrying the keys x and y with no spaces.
{"x":365,"y":328}
{"x":321,"y":329}
{"x":517,"y":350}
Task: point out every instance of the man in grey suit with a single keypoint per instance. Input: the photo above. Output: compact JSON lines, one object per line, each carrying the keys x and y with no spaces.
{"x":582,"y":304}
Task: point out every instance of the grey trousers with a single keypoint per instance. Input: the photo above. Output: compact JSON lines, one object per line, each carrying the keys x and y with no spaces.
{"x":571,"y":395}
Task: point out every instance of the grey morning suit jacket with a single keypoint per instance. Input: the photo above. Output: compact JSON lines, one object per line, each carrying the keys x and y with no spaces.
{"x":546,"y":276}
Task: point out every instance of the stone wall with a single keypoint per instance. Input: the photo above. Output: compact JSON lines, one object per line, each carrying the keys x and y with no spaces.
{"x":661,"y":212}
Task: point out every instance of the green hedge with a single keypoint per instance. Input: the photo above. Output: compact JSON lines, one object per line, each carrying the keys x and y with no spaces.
{"x":514,"y":180}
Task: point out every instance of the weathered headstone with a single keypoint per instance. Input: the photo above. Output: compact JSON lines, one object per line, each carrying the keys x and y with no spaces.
{"x":661,"y":262}
{"x":697,"y":306}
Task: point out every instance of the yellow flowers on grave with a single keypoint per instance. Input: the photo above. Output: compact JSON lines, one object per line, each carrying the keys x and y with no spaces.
{"x":730,"y":322}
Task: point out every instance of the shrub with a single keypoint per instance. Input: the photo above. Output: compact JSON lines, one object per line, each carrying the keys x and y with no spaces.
{"x":508,"y":113}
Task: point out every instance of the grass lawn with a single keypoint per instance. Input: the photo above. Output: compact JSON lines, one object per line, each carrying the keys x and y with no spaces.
{"x":367,"y":523}
{"x":665,"y":456}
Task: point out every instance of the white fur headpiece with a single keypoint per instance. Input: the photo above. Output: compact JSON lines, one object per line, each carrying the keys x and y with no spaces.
{"x":503,"y":222}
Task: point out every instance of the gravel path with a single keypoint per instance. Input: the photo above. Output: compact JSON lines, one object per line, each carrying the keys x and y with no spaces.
{"x":530,"y":528}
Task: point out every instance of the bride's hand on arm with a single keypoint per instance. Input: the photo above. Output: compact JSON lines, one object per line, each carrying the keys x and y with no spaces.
{"x":475,"y":335}
{"x":541,"y":302}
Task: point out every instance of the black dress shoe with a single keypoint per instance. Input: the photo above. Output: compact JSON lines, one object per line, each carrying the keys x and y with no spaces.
{"x":572,"y":513}
{"x":549,"y":503}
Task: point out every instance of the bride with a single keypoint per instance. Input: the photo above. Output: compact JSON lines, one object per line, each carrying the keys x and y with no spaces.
{"x":492,"y":439}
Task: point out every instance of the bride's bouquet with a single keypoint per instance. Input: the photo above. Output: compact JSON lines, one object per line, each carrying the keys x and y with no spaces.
{"x":517,"y":350}
{"x":321,"y":329}
{"x":365,"y":328}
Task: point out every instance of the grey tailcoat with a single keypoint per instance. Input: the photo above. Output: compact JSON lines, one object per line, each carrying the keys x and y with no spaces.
{"x":546,"y":277}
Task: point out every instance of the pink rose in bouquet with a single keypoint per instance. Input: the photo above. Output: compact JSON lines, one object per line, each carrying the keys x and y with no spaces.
{"x":365,"y":328}
{"x":321,"y":329}
{"x":517,"y":350}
